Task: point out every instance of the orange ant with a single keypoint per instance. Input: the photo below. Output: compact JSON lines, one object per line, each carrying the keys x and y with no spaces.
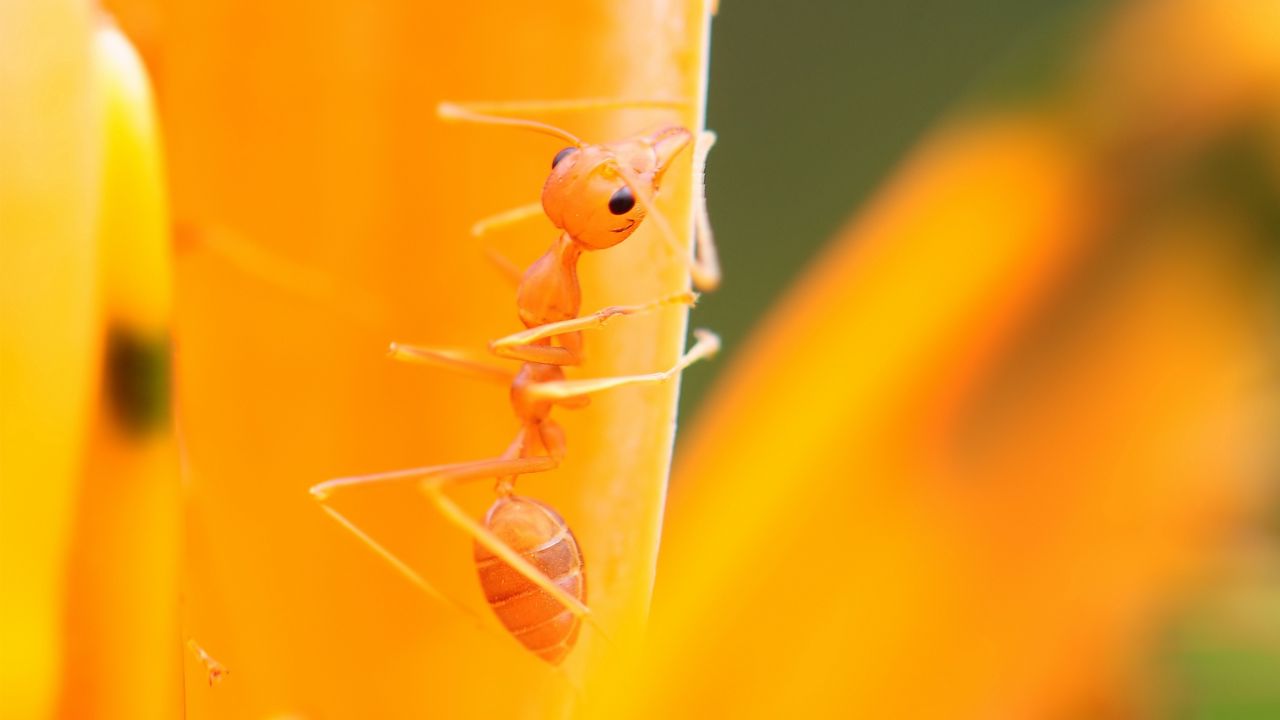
{"x":530,"y":565}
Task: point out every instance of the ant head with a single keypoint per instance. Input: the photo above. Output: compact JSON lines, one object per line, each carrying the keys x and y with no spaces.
{"x":591,"y":191}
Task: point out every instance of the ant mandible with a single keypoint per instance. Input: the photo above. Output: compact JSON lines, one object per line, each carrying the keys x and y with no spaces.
{"x":529,"y":562}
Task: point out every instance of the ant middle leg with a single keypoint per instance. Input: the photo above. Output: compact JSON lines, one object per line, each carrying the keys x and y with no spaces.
{"x":524,"y":345}
{"x":706,"y":346}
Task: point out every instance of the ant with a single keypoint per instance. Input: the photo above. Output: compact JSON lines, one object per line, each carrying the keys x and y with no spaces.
{"x":530,"y":564}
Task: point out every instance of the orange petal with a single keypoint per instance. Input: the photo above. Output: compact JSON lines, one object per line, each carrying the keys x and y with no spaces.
{"x":305,"y":138}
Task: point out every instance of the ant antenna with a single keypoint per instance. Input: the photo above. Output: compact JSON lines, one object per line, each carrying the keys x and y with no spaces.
{"x":456,"y":113}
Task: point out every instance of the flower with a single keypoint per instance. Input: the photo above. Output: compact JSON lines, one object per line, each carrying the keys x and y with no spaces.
{"x":324,"y":211}
{"x":968,"y":468}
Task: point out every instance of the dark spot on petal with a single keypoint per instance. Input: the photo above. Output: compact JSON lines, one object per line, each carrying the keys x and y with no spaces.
{"x":137,"y":380}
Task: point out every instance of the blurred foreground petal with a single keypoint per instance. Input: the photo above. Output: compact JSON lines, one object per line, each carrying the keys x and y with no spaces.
{"x":977,"y":456}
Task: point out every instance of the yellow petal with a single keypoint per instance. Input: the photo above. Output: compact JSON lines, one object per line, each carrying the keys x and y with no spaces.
{"x":122,"y":638}
{"x":810,"y":504}
{"x":48,"y":355}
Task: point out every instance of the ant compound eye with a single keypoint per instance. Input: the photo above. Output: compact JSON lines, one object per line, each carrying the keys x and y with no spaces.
{"x":622,"y":201}
{"x":562,"y":155}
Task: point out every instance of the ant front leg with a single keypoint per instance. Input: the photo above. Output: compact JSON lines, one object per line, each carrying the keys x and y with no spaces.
{"x":508,"y":269}
{"x":704,"y":266}
{"x":503,"y":264}
{"x":522,"y":345}
{"x":484,"y":226}
{"x":707,"y":345}
{"x":492,"y":113}
{"x":506,"y":113}
{"x":705,"y":269}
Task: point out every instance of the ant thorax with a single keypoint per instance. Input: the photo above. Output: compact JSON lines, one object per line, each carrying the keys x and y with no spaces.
{"x":549,"y":290}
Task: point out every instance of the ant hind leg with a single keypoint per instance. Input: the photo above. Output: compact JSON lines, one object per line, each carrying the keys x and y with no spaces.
{"x":433,"y":488}
{"x":705,"y":270}
{"x":401,"y":566}
{"x":431,"y":482}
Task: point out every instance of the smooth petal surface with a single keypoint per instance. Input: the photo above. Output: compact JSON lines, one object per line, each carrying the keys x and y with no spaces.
{"x":48,"y":152}
{"x":305,"y":136}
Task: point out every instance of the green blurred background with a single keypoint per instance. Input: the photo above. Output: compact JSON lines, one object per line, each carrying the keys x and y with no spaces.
{"x":798,"y":154}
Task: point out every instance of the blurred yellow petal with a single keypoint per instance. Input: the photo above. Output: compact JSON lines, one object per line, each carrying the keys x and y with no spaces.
{"x":122,"y":637}
{"x":48,"y":354}
{"x":813,"y":490}
{"x":134,"y":218}
{"x":305,"y":137}
{"x":971,"y":462}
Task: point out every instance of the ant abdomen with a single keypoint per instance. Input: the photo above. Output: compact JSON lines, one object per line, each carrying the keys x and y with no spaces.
{"x":535,"y":531}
